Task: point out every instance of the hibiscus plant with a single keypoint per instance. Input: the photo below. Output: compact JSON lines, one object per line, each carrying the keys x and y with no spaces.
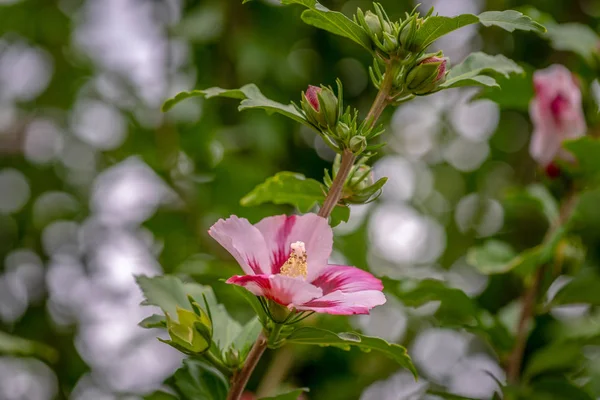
{"x":285,"y":274}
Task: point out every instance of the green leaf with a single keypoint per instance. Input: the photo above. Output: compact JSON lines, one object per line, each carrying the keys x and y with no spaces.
{"x":510,"y":20}
{"x":514,"y":92}
{"x":583,"y":289}
{"x":493,"y":257}
{"x":291,"y":395}
{"x":559,"y":357}
{"x":437,"y":26}
{"x":154,"y":321}
{"x":160,"y":395}
{"x":474,"y":70}
{"x":286,"y":188}
{"x":246,"y":337}
{"x":575,"y":37}
{"x":200,"y":380}
{"x":557,"y":389}
{"x":323,"y":337}
{"x":334,"y":22}
{"x":339,"y":214}
{"x":13,"y":345}
{"x":250,"y":95}
{"x":168,"y":292}
{"x":496,"y":257}
{"x":587,"y":152}
{"x":456,"y":309}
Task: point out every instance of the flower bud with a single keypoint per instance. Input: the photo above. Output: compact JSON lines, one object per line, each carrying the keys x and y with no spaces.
{"x":361,"y":187}
{"x":192,"y":333}
{"x":320,"y":105}
{"x":363,"y":177}
{"x":357,"y":144}
{"x":408,"y":34}
{"x":232,"y":357}
{"x":376,"y":27}
{"x":343,"y":130}
{"x":390,"y":43}
{"x":373,"y":24}
{"x":427,"y":75}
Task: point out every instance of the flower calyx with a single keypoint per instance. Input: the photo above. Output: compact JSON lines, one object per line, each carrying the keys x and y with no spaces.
{"x":427,"y":75}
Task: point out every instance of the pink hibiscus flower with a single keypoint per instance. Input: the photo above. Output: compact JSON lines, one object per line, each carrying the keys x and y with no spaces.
{"x":556,"y":114}
{"x":285,"y":260}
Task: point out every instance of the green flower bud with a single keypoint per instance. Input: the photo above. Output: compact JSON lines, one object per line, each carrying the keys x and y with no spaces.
{"x":427,"y":75}
{"x":343,"y":130}
{"x":361,"y":186}
{"x":192,"y":333}
{"x":357,"y":144}
{"x":373,"y":24}
{"x":232,"y":357}
{"x":320,"y":105}
{"x":408,"y":34}
{"x":390,"y":43}
{"x":362,"y":178}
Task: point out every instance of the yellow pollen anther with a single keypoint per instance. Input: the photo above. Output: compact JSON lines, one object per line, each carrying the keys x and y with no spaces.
{"x":295,"y":266}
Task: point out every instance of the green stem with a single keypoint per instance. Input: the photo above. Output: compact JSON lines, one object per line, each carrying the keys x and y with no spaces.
{"x":335,"y":192}
{"x":240,"y":379}
{"x":211,"y":358}
{"x":513,"y":368}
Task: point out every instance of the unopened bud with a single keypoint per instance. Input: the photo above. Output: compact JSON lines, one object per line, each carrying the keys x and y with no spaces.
{"x":343,"y":130}
{"x":363,"y":177}
{"x":427,"y":75}
{"x":374,"y":24}
{"x":357,"y":144}
{"x":320,"y":106}
{"x":390,"y":43}
{"x":232,"y":357}
{"x":408,"y":34}
{"x":361,"y":187}
{"x":192,"y":333}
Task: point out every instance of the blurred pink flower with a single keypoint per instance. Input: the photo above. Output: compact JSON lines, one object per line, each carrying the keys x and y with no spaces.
{"x":285,"y":260}
{"x":556,"y":113}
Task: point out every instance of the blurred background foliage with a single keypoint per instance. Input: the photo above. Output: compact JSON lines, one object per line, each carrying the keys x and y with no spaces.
{"x":96,"y":185}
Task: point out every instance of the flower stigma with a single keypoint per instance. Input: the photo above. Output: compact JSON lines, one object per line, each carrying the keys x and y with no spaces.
{"x":296,"y":266}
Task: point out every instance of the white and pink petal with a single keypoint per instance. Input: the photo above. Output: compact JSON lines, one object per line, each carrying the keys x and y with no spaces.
{"x":340,"y":303}
{"x":346,"y":279}
{"x":281,"y":289}
{"x":244,"y":242}
{"x":281,"y":231}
